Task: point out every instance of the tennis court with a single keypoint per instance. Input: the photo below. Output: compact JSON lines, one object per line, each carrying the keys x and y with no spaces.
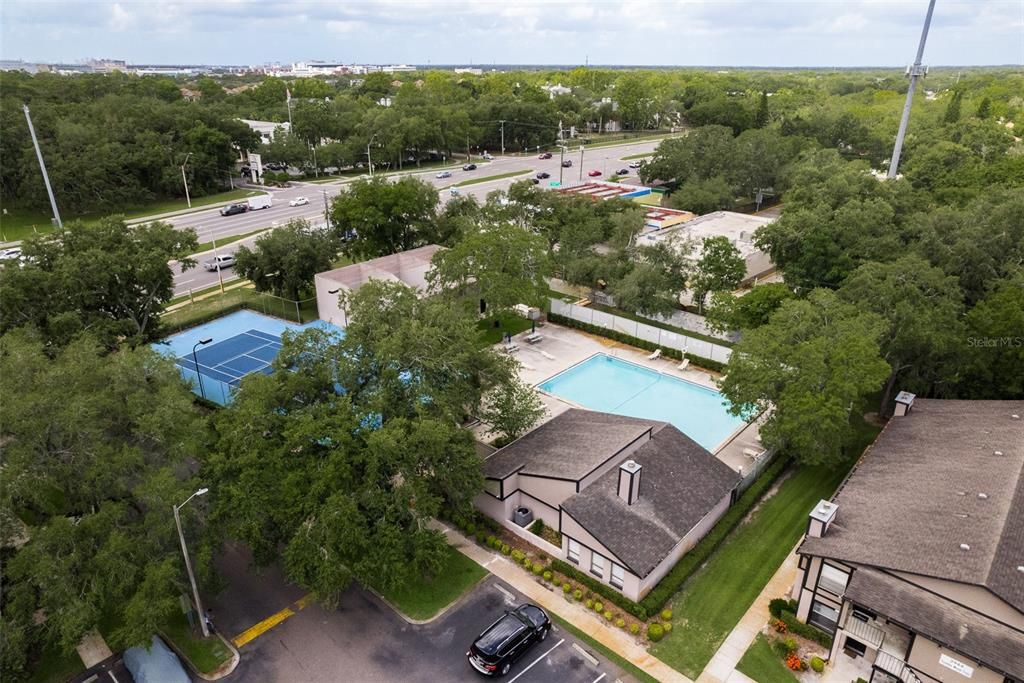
{"x":242,"y":343}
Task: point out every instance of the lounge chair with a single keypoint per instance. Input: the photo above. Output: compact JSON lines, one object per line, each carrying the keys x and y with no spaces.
{"x":751,"y":453}
{"x":685,"y":364}
{"x":655,"y":356}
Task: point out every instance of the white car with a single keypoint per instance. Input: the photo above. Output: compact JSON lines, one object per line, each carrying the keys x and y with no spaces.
{"x":636,"y":164}
{"x":12,"y":254}
{"x":298,"y":201}
{"x":219,"y":262}
{"x":444,"y":174}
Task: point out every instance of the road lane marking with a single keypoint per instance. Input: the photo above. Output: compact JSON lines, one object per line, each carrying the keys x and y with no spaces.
{"x":254,"y":632}
{"x":513,"y":680}
{"x":583,"y":653}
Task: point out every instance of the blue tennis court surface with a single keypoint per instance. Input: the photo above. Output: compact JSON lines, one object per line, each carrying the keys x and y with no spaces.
{"x":234,"y":358}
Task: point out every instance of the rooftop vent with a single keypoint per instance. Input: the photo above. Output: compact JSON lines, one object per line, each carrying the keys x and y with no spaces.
{"x":964,"y":547}
{"x":998,"y":453}
{"x":822,"y":517}
{"x":904,"y":403}
{"x":629,"y":481}
{"x":1016,"y":416}
{"x":983,"y":496}
{"x":1020,"y":568}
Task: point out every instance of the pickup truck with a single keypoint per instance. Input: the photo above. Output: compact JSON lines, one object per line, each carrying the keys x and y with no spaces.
{"x":219,"y":262}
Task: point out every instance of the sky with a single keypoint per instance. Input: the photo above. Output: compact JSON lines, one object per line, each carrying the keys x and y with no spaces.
{"x":485,"y":32}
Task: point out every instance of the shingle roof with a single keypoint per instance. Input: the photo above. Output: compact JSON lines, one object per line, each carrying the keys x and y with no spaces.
{"x":995,"y":644}
{"x":569,"y":446}
{"x":680,"y":483}
{"x":948,"y":473}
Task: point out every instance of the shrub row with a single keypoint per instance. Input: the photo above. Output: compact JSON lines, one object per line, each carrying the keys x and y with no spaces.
{"x":602,"y":589}
{"x":805,"y":630}
{"x":706,"y":363}
{"x":699,"y":554}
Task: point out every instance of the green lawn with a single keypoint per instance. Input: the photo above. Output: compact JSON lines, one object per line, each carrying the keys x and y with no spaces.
{"x":206,"y":654}
{"x":233,"y":300}
{"x":207,"y":246}
{"x":652,"y":199}
{"x":423,"y":599}
{"x":610,"y":655}
{"x":763,"y":665}
{"x":510,"y":323}
{"x":487,"y":179}
{"x":20,"y":223}
{"x":55,"y":666}
{"x":714,"y":600}
{"x":639,"y":156}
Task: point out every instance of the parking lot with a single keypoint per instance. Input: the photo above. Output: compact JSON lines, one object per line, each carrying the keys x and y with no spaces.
{"x":364,"y":640}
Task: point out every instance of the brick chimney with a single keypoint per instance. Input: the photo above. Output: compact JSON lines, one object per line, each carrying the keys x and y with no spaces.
{"x":821,"y":518}
{"x":904,"y":402}
{"x":629,"y":481}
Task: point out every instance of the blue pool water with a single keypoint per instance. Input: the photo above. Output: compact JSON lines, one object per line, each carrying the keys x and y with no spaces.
{"x":616,"y":386}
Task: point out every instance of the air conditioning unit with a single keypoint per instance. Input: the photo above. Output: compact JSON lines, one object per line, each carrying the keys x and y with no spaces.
{"x":522,"y":516}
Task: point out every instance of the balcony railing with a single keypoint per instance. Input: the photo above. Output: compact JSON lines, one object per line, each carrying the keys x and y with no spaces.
{"x":864,"y":632}
{"x":896,"y":666}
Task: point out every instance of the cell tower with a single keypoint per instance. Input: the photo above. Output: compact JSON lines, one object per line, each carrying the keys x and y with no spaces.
{"x":914,"y":72}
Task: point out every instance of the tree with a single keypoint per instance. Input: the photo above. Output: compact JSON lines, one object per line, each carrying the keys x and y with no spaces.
{"x":994,"y":368}
{"x":96,"y":450}
{"x":952,"y":114}
{"x":984,"y":109}
{"x":284,"y":261}
{"x":810,"y":366}
{"x":651,"y":279}
{"x":704,"y":196}
{"x":502,"y":263}
{"x":512,"y":410}
{"x":384,"y":217}
{"x":105,"y":277}
{"x":703,"y":153}
{"x":761,"y":115}
{"x":921,"y":307}
{"x":719,"y":268}
{"x":729,"y":312}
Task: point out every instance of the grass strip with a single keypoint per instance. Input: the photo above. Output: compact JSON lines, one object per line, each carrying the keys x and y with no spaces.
{"x":643,"y":155}
{"x":610,"y":655}
{"x":206,"y":654}
{"x":763,"y":665}
{"x":424,"y":599}
{"x":717,"y":597}
{"x":208,"y":246}
{"x":487,"y":179}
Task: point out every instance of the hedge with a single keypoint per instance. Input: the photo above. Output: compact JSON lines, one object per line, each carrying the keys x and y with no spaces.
{"x":699,"y":554}
{"x":806,"y":630}
{"x":706,"y":363}
{"x":602,"y":589}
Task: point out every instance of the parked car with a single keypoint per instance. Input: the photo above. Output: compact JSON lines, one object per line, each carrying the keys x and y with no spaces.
{"x":545,"y":155}
{"x":543,"y":174}
{"x":154,"y":664}
{"x":636,"y":164}
{"x":567,"y":163}
{"x":233,"y":209}
{"x":487,"y":156}
{"x":12,"y":254}
{"x":444,"y":174}
{"x":623,"y":171}
{"x":469,"y":167}
{"x":534,"y":181}
{"x":298,"y":201}
{"x":219,"y":262}
{"x":594,"y":173}
{"x":508,"y":639}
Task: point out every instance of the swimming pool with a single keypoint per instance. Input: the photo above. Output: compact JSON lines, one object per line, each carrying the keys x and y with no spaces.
{"x":616,"y":386}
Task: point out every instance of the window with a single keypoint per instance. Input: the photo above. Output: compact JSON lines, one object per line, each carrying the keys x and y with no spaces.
{"x":833,"y":579}
{"x":618,"y":575}
{"x":596,"y":565}
{"x":823,"y":616}
{"x":573,"y":551}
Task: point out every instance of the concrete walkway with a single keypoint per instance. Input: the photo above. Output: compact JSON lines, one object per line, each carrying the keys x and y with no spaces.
{"x":613,"y":638}
{"x":93,"y":649}
{"x":722,"y":667}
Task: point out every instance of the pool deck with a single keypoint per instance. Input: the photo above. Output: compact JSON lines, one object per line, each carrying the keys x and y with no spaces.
{"x":561,"y":347}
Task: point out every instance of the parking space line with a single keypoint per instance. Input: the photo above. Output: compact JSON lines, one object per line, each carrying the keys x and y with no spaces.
{"x":513,"y":680}
{"x":508,"y":594}
{"x":254,"y":632}
{"x":596,"y":680}
{"x":583,"y":653}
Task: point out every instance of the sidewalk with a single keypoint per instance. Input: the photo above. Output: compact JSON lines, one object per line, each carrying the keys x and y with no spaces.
{"x":613,"y":638}
{"x":722,"y":667}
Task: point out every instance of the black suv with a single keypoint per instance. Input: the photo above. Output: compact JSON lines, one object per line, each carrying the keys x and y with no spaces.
{"x":234,"y":209}
{"x":469,"y":167}
{"x":543,"y":174}
{"x":507,"y":639}
{"x":567,"y":163}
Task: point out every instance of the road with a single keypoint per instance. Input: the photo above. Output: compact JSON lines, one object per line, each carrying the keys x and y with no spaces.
{"x":210,"y":225}
{"x":364,"y":640}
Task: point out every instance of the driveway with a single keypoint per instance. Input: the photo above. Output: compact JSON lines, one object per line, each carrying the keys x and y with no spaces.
{"x":364,"y":640}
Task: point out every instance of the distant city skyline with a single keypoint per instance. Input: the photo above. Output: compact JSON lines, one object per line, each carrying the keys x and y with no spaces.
{"x":794,"y":33}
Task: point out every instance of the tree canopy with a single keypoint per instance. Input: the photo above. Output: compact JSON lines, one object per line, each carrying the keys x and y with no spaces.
{"x":380,"y":217}
{"x":284,"y":260}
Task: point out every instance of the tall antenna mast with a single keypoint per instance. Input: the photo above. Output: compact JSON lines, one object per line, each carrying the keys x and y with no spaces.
{"x":914,"y":71}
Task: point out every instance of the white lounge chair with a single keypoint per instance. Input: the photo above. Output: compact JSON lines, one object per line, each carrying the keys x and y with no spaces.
{"x":685,"y":364}
{"x":655,"y":356}
{"x":751,"y":453}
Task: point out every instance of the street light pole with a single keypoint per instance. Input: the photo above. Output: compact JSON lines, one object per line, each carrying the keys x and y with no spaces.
{"x":188,"y":562}
{"x":185,"y":180}
{"x":369,"y":159}
{"x":581,"y":163}
{"x":42,"y":166}
{"x":195,"y":359}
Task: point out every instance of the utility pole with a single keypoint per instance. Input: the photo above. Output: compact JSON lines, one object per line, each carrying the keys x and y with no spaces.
{"x":914,"y":71}
{"x":327,"y":213}
{"x":185,"y":180}
{"x":288,"y":101}
{"x":369,"y":159}
{"x":42,"y":166}
{"x":561,"y":153}
{"x":502,"y":137}
{"x":581,"y":163}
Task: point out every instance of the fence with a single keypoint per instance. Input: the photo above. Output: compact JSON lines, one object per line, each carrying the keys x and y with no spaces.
{"x":648,"y":333}
{"x":751,"y":474}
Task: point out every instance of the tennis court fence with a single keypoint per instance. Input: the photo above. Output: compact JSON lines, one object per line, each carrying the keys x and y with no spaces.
{"x":202,"y":311}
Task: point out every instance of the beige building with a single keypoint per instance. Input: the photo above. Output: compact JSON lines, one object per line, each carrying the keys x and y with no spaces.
{"x":917,"y":564}
{"x":408,"y":267}
{"x":629,"y":496}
